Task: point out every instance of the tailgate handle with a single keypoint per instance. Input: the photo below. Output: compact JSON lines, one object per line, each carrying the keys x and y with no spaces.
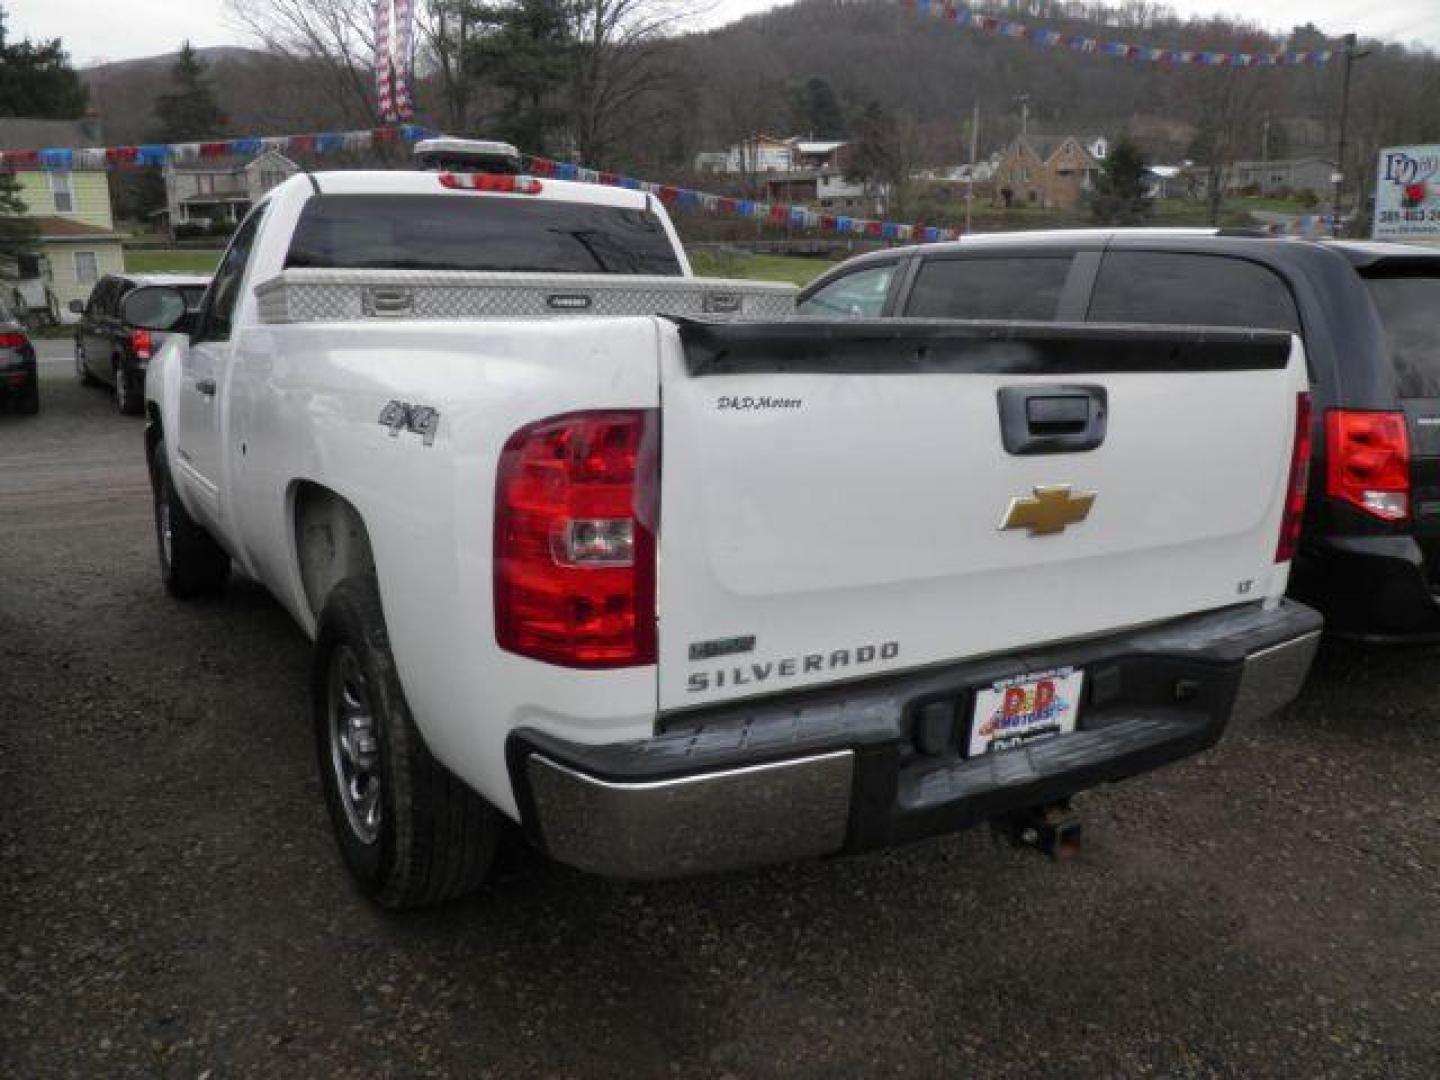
{"x":1052,"y":419}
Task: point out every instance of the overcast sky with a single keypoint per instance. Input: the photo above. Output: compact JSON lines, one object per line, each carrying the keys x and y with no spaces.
{"x":97,"y":30}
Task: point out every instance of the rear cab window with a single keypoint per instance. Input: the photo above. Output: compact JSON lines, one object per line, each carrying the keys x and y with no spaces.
{"x":1409,"y":308}
{"x":990,"y":287}
{"x":483,"y":233}
{"x":1191,"y":290}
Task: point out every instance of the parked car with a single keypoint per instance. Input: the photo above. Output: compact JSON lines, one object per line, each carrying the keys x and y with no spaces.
{"x":1369,"y":315}
{"x":111,"y":351}
{"x":880,"y":588}
{"x":19,"y":380}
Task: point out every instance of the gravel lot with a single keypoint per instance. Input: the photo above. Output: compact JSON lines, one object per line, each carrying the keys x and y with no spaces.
{"x":170,"y":904}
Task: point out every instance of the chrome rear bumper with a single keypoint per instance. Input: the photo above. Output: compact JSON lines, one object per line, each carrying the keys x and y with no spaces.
{"x":842,"y":769}
{"x":714,"y":821}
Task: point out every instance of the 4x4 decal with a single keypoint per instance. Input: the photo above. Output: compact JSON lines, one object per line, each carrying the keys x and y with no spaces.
{"x":401,"y":416}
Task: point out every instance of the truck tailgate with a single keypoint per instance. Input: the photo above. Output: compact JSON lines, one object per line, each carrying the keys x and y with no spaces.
{"x":844,"y":499}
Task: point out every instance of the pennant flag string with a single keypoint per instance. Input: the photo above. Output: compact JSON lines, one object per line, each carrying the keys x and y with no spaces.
{"x":153,"y":155}
{"x":961,"y":16}
{"x":157,"y":154}
{"x":797,"y":217}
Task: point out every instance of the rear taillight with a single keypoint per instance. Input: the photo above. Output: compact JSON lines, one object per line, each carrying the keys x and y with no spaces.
{"x":1299,"y":482}
{"x":12,"y":340}
{"x":1368,"y":461}
{"x":141,"y":343}
{"x":576,"y":515}
{"x":497,"y":182}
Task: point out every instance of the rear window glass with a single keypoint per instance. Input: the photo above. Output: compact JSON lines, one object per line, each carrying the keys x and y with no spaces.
{"x":858,"y":295}
{"x":1410,"y":312}
{"x":193,"y":295}
{"x":446,"y":232}
{"x":1011,"y":288}
{"x":1191,"y":290}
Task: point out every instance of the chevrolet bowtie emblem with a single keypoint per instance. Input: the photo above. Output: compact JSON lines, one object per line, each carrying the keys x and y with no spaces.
{"x":1049,"y":511}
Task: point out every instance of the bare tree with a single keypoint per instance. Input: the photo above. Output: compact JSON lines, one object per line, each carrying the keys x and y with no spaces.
{"x":447,"y":30}
{"x":621,"y":65}
{"x":338,"y":35}
{"x":1229,"y":104}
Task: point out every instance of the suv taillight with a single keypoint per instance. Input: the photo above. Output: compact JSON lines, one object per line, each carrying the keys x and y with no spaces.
{"x":10,"y":340}
{"x":576,"y":515}
{"x":1368,"y":461}
{"x":141,"y":343}
{"x":1294,"y":517}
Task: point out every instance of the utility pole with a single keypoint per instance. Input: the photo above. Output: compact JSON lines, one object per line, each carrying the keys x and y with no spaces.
{"x":974,"y":150}
{"x":1265,"y":140}
{"x":1338,"y":176}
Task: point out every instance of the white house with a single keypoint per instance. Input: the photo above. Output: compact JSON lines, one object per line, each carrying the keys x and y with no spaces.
{"x":221,"y":191}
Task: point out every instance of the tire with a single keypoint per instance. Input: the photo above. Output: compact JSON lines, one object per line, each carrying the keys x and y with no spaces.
{"x":82,"y":373}
{"x":28,"y":401}
{"x":191,"y":562}
{"x":128,"y":400}
{"x":410,"y":832}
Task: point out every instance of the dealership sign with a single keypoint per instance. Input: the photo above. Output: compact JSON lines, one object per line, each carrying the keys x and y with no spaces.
{"x":1407,"y":194}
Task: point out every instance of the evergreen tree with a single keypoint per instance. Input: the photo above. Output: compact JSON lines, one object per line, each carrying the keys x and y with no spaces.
{"x":190,"y":112}
{"x":1118,"y":197}
{"x":877,"y":155}
{"x":16,"y":230}
{"x":527,"y":53}
{"x":817,"y":110}
{"x":36,"y":79}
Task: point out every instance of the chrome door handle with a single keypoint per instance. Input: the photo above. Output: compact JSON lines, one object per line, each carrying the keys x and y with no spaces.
{"x":205,"y":386}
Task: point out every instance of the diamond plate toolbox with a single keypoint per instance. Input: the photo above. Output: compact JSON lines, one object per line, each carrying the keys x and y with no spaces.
{"x":296,"y":296}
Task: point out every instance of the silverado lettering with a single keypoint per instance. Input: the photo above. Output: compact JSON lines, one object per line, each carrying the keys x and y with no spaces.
{"x":742,"y":675}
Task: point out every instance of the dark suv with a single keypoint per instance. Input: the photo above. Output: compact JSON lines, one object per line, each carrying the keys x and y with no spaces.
{"x":19,"y":381}
{"x":1369,"y":316}
{"x":107,"y":350}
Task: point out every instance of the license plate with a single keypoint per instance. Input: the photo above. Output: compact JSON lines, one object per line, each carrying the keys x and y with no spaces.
{"x":1026,"y":709}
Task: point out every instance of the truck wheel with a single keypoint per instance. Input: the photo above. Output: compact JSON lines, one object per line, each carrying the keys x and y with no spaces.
{"x":191,"y":562}
{"x":127,"y":397}
{"x":410,"y":832}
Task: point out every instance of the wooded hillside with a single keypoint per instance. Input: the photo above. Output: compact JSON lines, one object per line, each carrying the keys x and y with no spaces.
{"x":816,"y":66}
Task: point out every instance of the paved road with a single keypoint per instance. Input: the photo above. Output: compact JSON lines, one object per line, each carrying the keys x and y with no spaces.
{"x":170,"y":904}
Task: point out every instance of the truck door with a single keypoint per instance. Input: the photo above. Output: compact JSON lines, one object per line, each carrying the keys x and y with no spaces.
{"x":202,"y":381}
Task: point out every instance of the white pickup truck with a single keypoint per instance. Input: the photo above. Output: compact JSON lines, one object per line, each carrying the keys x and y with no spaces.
{"x":679,"y":582}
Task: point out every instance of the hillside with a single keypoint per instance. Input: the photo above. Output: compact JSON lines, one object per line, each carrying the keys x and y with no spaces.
{"x":761,"y":74}
{"x":931,"y":74}
{"x":259,"y":93}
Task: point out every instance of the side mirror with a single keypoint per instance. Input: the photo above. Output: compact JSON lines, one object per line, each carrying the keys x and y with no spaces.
{"x":154,"y":307}
{"x":77,"y":307}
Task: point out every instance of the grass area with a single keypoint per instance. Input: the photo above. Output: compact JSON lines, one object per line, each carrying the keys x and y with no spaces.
{"x":171,"y":261}
{"x":1283,"y":206}
{"x":739,"y":264}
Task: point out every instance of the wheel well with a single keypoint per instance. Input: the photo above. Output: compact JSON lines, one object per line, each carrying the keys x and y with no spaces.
{"x":331,"y":543}
{"x":154,"y":432}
